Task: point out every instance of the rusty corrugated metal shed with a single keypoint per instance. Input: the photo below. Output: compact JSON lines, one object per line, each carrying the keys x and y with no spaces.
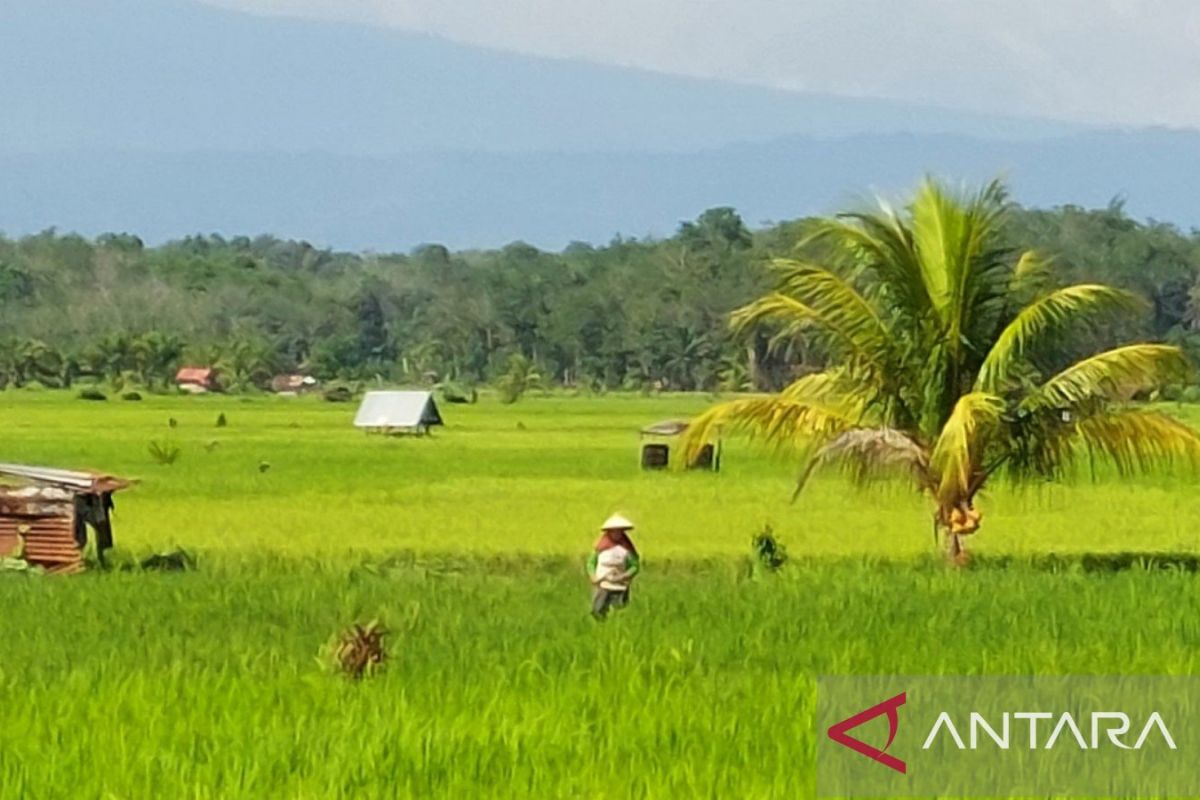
{"x":45,"y":514}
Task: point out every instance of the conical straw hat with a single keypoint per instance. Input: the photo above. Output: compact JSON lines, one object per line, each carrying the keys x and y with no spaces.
{"x":616,"y":523}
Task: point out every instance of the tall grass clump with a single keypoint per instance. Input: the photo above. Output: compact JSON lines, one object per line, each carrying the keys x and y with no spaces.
{"x":359,"y":651}
{"x":164,"y":453}
{"x":768,"y":552}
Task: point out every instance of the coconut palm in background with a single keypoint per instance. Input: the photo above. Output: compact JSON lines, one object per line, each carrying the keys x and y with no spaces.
{"x":954,"y":359}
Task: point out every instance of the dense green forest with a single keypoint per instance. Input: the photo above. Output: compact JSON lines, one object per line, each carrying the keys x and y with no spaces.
{"x":634,"y":314}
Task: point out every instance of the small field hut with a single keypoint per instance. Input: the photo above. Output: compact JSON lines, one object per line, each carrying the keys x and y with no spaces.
{"x":196,"y":380}
{"x":398,"y":413}
{"x":658,"y":439}
{"x":294,"y":384}
{"x":45,"y":514}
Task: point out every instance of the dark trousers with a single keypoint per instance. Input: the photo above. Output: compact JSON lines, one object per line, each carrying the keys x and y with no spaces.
{"x":603,"y":600}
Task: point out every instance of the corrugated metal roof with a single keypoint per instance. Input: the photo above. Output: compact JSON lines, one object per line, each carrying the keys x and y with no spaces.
{"x":397,"y":410}
{"x":72,"y":479}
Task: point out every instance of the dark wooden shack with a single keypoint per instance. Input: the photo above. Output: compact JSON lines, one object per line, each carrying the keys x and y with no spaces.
{"x":45,"y":515}
{"x":659,"y":438}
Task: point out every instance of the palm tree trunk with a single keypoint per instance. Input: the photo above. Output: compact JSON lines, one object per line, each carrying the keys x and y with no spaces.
{"x":955,"y":550}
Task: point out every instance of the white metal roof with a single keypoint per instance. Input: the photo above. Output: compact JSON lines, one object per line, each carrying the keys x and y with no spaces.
{"x":75,"y":479}
{"x":397,"y":410}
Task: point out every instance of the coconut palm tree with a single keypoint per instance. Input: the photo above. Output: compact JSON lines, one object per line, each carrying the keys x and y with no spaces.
{"x":156,"y":356}
{"x":953,"y":360}
{"x":522,"y":376}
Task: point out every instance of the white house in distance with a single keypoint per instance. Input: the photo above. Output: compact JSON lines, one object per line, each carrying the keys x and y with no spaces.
{"x":398,"y":412}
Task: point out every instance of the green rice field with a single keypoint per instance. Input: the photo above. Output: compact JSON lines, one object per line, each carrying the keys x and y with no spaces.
{"x":468,"y":545}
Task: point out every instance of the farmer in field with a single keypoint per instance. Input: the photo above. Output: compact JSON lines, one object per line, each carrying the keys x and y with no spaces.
{"x":612,"y":566}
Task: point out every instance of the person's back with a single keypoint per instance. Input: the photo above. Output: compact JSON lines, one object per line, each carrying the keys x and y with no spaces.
{"x":611,"y":568}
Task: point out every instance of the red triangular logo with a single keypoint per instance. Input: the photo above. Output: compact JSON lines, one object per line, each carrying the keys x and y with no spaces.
{"x":889,"y":707}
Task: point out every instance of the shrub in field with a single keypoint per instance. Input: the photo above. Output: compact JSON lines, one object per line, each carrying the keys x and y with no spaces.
{"x":164,"y":453}
{"x":768,"y":552}
{"x":1167,"y":394}
{"x":457,"y":393}
{"x":358,"y":651}
{"x":221,"y":421}
{"x":92,"y":393}
{"x":174,"y":561}
{"x":132,"y":396}
{"x":338,"y":394}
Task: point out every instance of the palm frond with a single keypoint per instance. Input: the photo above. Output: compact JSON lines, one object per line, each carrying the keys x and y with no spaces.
{"x":966,"y":269}
{"x":951,"y":232}
{"x":830,"y":294}
{"x":985,"y":273}
{"x":835,"y":388}
{"x":838,"y":304}
{"x":1139,"y":440}
{"x":1080,"y":305}
{"x":1033,"y":270}
{"x":786,"y":314}
{"x":1114,"y":375}
{"x":811,"y":410}
{"x":869,"y":454}
{"x":938,"y":224}
{"x":881,"y":243}
{"x":813,"y":296}
{"x":958,"y":453}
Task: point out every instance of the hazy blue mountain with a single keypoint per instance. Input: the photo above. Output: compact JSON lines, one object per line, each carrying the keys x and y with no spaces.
{"x":550,"y":199}
{"x":174,"y":75}
{"x":167,"y":117}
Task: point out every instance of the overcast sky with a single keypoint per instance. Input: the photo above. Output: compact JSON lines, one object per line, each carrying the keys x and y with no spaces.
{"x":1109,"y":61}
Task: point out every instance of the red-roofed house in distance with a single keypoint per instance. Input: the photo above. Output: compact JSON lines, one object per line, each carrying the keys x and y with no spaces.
{"x":196,"y":380}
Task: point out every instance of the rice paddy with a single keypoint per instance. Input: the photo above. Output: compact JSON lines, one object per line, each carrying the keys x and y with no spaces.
{"x":468,"y":547}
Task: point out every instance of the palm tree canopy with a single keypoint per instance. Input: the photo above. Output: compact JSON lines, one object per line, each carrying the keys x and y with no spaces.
{"x":954,"y":356}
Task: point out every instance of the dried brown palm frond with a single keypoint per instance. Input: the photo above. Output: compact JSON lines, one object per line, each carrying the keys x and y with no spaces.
{"x":869,"y":454}
{"x":359,"y":651}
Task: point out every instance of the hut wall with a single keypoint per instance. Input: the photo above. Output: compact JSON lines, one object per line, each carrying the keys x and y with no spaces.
{"x":656,"y":456}
{"x":705,"y":459}
{"x":49,"y":541}
{"x":45,"y":520}
{"x":10,"y":541}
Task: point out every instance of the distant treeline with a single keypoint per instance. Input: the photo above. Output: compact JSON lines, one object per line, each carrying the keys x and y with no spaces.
{"x":634,"y":314}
